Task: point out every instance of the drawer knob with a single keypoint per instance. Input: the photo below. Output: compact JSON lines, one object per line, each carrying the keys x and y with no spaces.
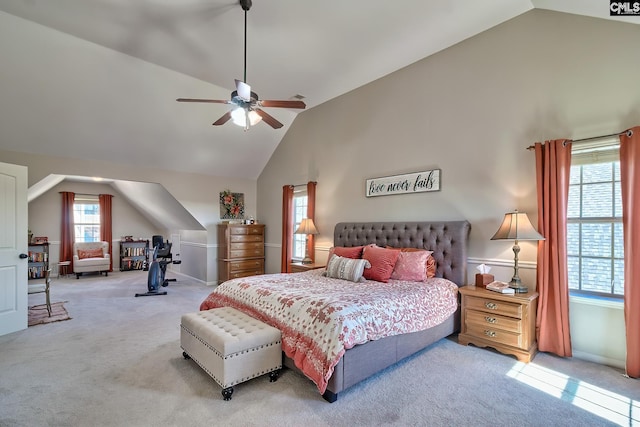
{"x":491,"y":305}
{"x":491,"y":334}
{"x":490,"y":319}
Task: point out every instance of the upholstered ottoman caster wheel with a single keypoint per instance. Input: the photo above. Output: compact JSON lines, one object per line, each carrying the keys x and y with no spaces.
{"x":185,"y":355}
{"x":273,"y":376}
{"x":227,"y":392}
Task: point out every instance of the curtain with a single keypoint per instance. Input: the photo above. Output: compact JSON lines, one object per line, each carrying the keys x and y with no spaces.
{"x":553,"y":166}
{"x":311,"y":213}
{"x":67,"y":234}
{"x":287,"y":228}
{"x":630,"y":183}
{"x":106,"y":234}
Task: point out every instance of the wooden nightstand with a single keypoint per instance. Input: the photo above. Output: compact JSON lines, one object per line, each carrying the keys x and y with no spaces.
{"x":298,"y":267}
{"x":504,"y":322}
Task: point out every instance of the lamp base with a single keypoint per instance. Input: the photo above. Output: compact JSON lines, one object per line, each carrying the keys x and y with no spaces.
{"x":518,"y":287}
{"x":307,"y":260}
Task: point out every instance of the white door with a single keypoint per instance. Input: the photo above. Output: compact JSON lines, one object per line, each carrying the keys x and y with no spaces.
{"x":13,"y":245}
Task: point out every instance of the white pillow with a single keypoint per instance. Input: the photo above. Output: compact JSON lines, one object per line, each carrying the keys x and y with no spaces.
{"x":346,"y":268}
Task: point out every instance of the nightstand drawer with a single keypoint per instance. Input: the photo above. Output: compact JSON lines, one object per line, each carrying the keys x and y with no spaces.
{"x":495,"y":335}
{"x":513,"y":309}
{"x":492,"y":320}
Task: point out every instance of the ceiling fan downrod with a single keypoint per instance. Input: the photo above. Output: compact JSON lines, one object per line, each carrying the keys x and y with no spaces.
{"x":246,"y":5}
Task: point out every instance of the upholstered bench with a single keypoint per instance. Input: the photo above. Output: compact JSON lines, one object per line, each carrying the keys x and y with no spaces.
{"x":231,"y":346}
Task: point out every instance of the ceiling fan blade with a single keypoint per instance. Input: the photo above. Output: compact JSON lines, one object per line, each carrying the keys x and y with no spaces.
{"x":222,"y":120}
{"x":282,"y":104}
{"x":244,"y":90}
{"x":213,"y":101}
{"x":268,"y":119}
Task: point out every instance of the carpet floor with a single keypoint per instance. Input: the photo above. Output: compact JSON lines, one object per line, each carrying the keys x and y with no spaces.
{"x":118,"y":362}
{"x":38,"y":314}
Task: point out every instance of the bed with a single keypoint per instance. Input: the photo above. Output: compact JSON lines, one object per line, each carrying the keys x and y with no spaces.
{"x":350,"y":360}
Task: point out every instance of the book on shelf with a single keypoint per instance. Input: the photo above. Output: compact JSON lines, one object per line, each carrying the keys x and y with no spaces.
{"x":500,"y":287}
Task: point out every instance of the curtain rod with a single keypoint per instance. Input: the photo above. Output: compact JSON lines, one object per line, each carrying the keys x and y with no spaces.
{"x":629,"y":132}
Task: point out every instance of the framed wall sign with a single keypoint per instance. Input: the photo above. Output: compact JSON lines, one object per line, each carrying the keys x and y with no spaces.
{"x":417,"y":182}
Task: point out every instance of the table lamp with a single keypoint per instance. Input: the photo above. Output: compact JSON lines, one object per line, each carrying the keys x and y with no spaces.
{"x":516,"y":226}
{"x":306,"y":227}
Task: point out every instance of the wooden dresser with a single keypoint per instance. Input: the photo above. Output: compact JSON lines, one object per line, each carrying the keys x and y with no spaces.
{"x":240,"y":250}
{"x":504,"y":322}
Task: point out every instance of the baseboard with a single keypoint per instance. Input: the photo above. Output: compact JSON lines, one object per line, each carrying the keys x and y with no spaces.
{"x":599,"y":359}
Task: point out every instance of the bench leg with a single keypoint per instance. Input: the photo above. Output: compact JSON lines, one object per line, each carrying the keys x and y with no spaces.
{"x":185,"y":355}
{"x":227,"y":392}
{"x":273,"y":376}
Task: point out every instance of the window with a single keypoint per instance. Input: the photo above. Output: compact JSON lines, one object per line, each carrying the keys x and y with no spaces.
{"x":86,"y":218}
{"x":299,"y":212}
{"x":594,"y":222}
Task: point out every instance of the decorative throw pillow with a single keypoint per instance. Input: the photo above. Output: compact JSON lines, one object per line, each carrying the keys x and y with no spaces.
{"x":431,"y":262}
{"x":346,"y":268}
{"x":352,"y":252}
{"x":90,"y":253}
{"x":382,"y":262}
{"x":411,"y":266}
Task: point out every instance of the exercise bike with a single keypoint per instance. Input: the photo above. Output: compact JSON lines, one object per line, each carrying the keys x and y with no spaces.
{"x":158,"y":268}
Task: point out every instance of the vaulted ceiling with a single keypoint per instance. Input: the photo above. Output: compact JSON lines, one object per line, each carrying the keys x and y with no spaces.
{"x":194,"y":48}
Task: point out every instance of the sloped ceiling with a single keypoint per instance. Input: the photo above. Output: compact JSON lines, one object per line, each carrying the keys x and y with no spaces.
{"x":66,"y":91}
{"x":98,"y":79}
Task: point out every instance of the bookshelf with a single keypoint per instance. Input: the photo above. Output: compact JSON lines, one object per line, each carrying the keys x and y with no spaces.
{"x":133,"y":254}
{"x":38,"y":260}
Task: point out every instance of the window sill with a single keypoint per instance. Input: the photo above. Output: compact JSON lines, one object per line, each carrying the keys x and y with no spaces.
{"x":597,"y":301}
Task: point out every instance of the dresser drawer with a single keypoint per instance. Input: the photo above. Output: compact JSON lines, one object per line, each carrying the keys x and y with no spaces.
{"x":492,"y":320}
{"x":246,"y":265}
{"x":247,"y":273}
{"x":495,"y":335}
{"x":488,"y":305}
{"x":240,"y":238}
{"x":246,"y":246}
{"x":247,"y":253}
{"x":251,"y":230}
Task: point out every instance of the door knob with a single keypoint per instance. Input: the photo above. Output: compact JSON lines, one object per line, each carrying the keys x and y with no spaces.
{"x":23,"y":256}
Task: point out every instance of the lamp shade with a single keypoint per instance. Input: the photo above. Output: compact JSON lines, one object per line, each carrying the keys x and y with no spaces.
{"x":516,"y":226}
{"x":240,"y":115}
{"x":306,"y":227}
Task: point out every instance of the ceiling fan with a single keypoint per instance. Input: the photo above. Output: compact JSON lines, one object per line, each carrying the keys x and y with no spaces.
{"x":246,"y":111}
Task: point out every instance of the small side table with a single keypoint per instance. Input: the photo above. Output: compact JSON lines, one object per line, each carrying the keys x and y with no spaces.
{"x":63,"y":268}
{"x":298,"y":267}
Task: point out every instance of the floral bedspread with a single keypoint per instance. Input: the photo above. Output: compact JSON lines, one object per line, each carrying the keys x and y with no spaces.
{"x":321,"y":317}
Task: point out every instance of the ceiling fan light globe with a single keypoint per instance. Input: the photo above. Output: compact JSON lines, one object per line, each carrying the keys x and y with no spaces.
{"x":239,"y":117}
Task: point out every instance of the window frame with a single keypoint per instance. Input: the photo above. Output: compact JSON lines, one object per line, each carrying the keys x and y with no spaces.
{"x":80,"y":218}
{"x":300,"y":204}
{"x":603,"y":151}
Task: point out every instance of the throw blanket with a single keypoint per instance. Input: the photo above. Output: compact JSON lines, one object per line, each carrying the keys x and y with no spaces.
{"x":321,"y":317}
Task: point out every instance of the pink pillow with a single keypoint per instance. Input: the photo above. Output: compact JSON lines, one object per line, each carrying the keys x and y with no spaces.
{"x":382,"y":262}
{"x":354,"y":252}
{"x":431,"y":261}
{"x":411,"y":266}
{"x":90,"y":253}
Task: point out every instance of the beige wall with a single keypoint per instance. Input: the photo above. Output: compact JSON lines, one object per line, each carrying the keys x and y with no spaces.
{"x":470,"y":110}
{"x":197,"y":193}
{"x":45,"y":214}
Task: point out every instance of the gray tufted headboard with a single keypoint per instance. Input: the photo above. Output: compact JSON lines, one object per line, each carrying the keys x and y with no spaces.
{"x":447,"y":239}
